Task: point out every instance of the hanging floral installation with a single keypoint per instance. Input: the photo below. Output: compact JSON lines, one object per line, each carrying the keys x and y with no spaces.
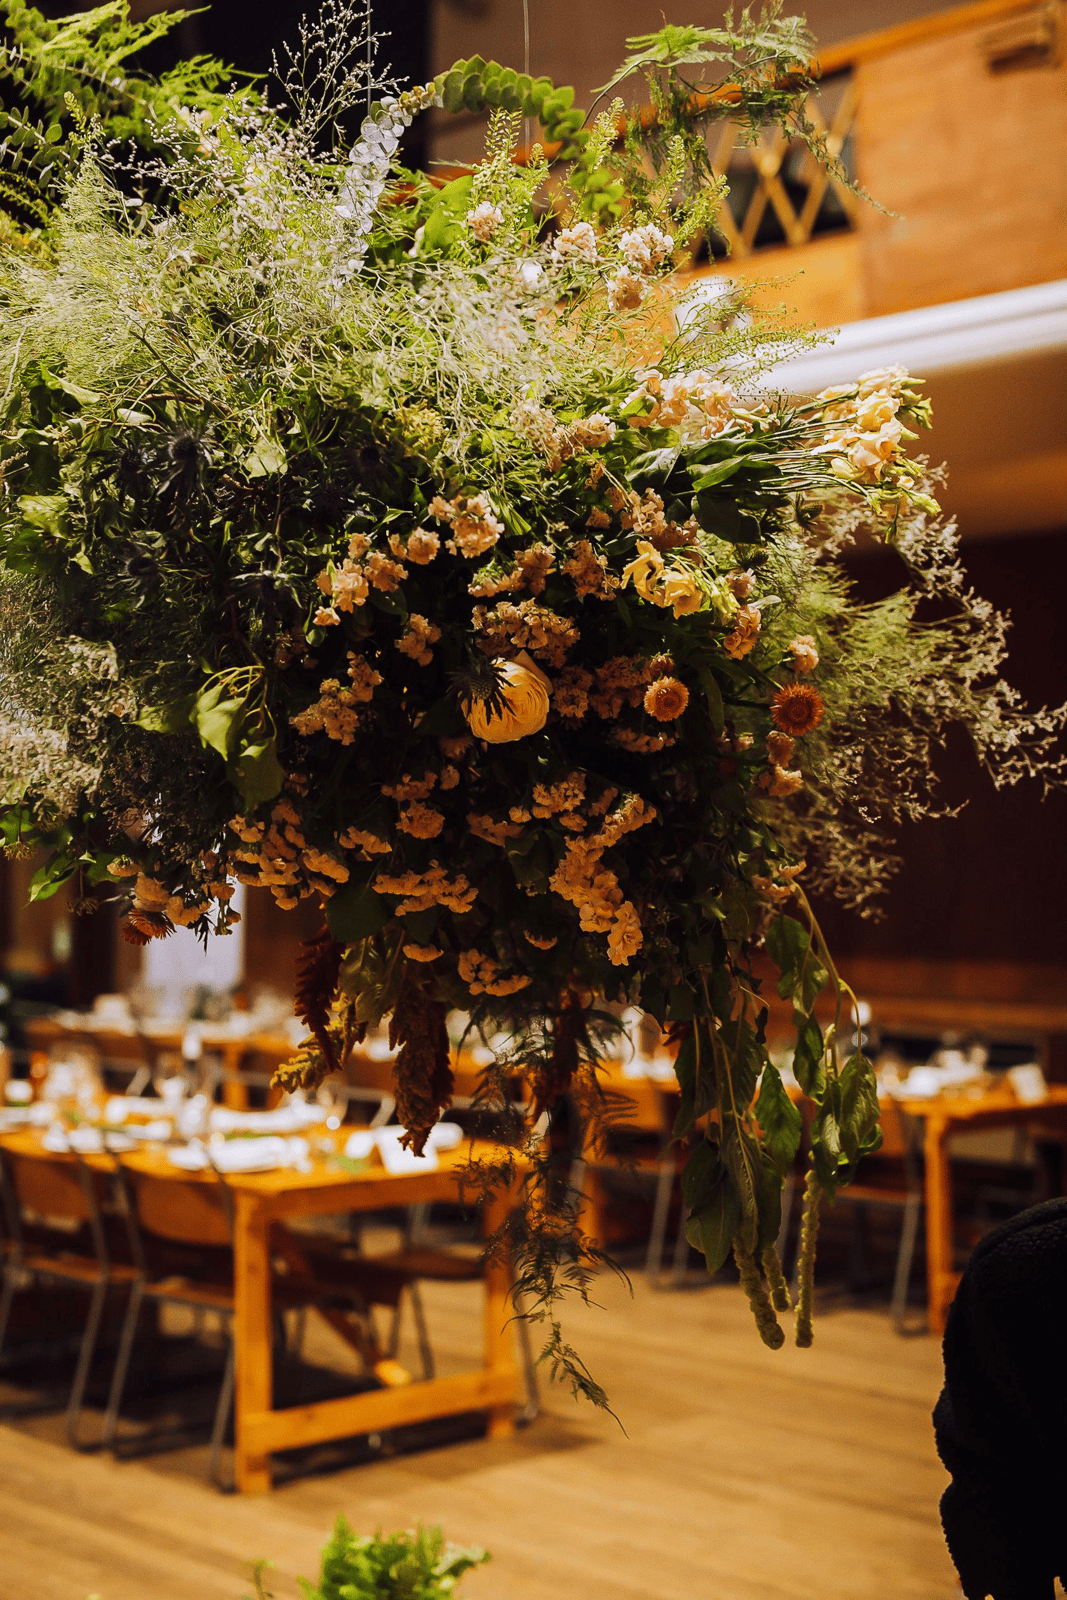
{"x":429,"y":550}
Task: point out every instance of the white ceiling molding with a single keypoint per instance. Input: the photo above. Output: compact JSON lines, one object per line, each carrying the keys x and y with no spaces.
{"x":964,"y":333}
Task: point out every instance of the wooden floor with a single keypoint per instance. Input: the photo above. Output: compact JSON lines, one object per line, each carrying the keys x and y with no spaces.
{"x":741,"y":1474}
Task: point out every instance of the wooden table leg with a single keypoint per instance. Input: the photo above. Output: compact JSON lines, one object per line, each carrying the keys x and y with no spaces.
{"x":234,"y":1093}
{"x":940,"y":1278}
{"x":252,"y":1335}
{"x":499,"y":1314}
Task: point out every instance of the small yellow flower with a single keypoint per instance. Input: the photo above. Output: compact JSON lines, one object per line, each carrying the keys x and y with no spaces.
{"x":681,"y":590}
{"x":644,"y":570}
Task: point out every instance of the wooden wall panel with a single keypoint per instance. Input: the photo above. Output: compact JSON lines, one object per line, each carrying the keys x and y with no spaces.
{"x":972,"y":163}
{"x":980,"y":898}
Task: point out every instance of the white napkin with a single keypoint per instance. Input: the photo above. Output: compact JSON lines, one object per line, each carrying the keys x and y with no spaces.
{"x":398,"y":1161}
{"x":237,"y":1155}
{"x":157,"y":1132}
{"x":283,"y":1119}
{"x":87,"y":1141}
{"x":395,"y":1159}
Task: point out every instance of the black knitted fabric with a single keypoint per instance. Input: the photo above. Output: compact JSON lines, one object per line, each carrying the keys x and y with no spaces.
{"x":1001,"y":1420}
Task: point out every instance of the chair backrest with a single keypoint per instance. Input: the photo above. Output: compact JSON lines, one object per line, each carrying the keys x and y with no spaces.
{"x":898,"y":1133}
{"x":179,"y":1211}
{"x":54,"y":1188}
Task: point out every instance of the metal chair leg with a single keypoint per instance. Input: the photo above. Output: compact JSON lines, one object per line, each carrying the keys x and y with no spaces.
{"x":7,"y":1295}
{"x":122,"y":1365}
{"x":529,"y":1366}
{"x":425,"y":1348}
{"x":905,"y":1258}
{"x":658,"y":1236}
{"x":681,"y":1251}
{"x":393,"y":1344}
{"x":222,"y":1415}
{"x":85,"y":1358}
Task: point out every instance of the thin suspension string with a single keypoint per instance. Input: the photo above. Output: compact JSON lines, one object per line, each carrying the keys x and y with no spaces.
{"x":526,"y":65}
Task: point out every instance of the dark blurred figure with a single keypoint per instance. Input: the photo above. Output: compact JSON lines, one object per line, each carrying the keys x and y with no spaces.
{"x":1001,"y":1420}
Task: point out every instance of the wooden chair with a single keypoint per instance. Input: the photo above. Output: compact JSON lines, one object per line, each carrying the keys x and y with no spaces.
{"x":55,"y":1214}
{"x":164,"y":1213}
{"x":404,"y":1269}
{"x":640,"y":1144}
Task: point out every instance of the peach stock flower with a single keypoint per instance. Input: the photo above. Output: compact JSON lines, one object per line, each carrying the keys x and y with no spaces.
{"x":805,"y":653}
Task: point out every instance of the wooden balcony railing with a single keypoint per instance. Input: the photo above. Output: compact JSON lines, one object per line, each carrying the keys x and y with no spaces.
{"x":956,"y":124}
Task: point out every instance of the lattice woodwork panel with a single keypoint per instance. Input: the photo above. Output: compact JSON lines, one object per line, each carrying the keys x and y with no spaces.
{"x":777,"y":181}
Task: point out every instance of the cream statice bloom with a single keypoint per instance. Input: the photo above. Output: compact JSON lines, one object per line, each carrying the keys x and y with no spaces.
{"x":576,"y":244}
{"x":484,"y":220}
{"x":625,"y":291}
{"x":645,"y":249}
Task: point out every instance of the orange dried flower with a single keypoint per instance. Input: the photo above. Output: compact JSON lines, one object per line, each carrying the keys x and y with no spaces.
{"x":141,"y":926}
{"x":666,"y":699}
{"x":797,"y":709}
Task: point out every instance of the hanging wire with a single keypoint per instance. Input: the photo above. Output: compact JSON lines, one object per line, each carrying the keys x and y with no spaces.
{"x":526,"y":67}
{"x":370,"y":38}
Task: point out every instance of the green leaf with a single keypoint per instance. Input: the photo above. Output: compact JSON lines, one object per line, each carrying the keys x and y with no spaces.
{"x":717,"y":514}
{"x":440,"y":230}
{"x":455,"y":197}
{"x":713,"y":695}
{"x":858,"y":1100}
{"x":808,"y":1066}
{"x":701,"y":1176}
{"x":266,"y":459}
{"x":48,"y":512}
{"x":711,"y":1231}
{"x":50,"y":878}
{"x":257,"y":773}
{"x":355,"y":912}
{"x":741,"y":1156}
{"x":802,"y":978}
{"x":826,"y":1150}
{"x":716,"y":474}
{"x":218,"y":721}
{"x":692,"y":1081}
{"x":172,"y":718}
{"x":653,"y":463}
{"x":768,"y":1204}
{"x":779,"y":1120}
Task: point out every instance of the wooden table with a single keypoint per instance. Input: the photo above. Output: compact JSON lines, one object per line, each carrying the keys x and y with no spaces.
{"x":943,"y":1116}
{"x":263,"y":1198}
